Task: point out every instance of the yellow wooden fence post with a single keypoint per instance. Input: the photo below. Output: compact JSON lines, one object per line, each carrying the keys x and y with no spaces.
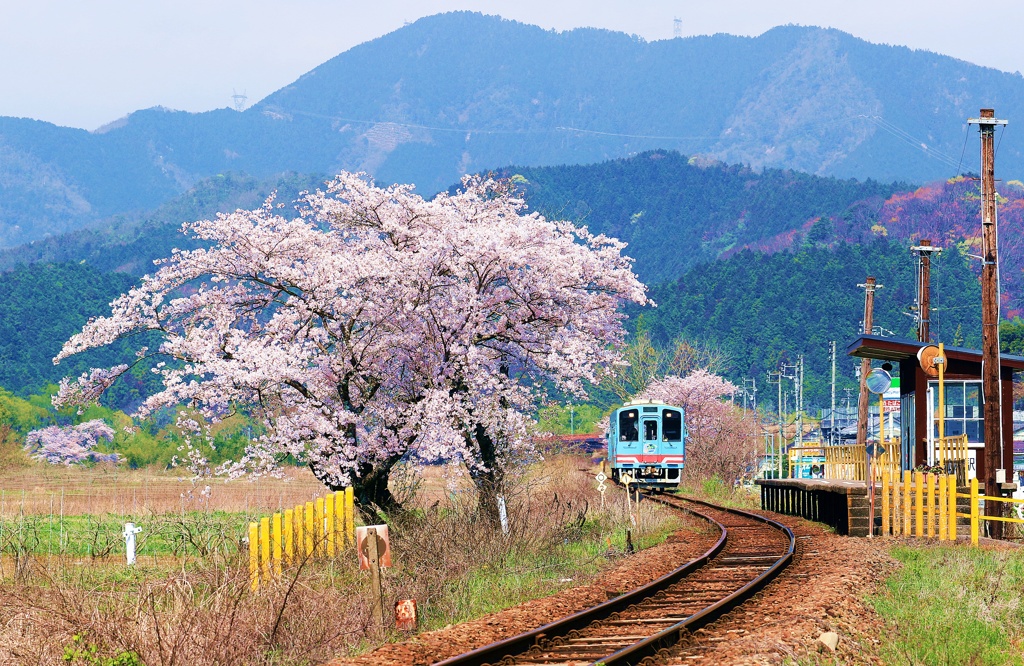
{"x":896,"y":508}
{"x":906,"y":503}
{"x":318,"y":526}
{"x":289,"y":536}
{"x":275,"y":531}
{"x":919,"y":492}
{"x":941,"y":501}
{"x":350,"y":525}
{"x":886,"y":527}
{"x":951,"y":511}
{"x":339,"y":502}
{"x":329,"y":523}
{"x":265,"y":547}
{"x":300,"y":529}
{"x":254,"y":556}
{"x":308,"y":529}
{"x":929,"y":504}
{"x":974,"y":511}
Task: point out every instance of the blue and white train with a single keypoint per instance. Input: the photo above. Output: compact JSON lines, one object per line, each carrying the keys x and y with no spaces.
{"x":647,"y":439}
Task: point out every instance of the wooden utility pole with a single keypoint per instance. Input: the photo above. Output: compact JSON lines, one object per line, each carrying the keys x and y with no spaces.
{"x":990,"y":316}
{"x":869,"y":288}
{"x":924,"y":298}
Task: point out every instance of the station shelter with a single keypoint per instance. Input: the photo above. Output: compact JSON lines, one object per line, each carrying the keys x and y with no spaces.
{"x":963,"y":396}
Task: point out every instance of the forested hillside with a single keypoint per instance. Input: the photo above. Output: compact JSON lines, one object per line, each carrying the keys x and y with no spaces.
{"x":43,"y":305}
{"x":460,"y":93}
{"x":676,"y":212}
{"x":761,"y":309}
{"x":130,"y":243}
{"x":673,"y":211}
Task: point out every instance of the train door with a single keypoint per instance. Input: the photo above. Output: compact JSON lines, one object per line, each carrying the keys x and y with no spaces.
{"x":627,"y":449}
{"x":652,"y":434}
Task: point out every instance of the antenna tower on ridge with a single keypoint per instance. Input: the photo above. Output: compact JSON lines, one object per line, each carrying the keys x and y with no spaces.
{"x":239,"y":100}
{"x":677,"y":27}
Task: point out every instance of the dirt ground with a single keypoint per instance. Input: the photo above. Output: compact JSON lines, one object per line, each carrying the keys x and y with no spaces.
{"x":823,"y":590}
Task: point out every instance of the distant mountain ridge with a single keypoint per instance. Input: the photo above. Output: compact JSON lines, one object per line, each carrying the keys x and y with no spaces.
{"x":463,"y":92}
{"x":673,"y":211}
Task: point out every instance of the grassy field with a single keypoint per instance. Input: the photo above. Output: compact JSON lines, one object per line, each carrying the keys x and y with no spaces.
{"x":70,"y":598}
{"x":954,"y":605}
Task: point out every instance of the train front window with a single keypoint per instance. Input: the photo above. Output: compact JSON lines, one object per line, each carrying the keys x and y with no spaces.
{"x":673,"y":428}
{"x":651,"y":430}
{"x":627,"y":426}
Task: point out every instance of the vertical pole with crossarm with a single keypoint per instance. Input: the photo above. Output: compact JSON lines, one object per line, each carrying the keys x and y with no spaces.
{"x":990,"y":315}
{"x":869,"y":287}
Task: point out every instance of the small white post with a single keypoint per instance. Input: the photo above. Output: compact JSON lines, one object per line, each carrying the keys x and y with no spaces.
{"x":130,"y":530}
{"x":503,"y":514}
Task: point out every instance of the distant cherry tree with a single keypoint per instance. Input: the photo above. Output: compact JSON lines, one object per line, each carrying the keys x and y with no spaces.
{"x":376,"y":325}
{"x":71,"y":444}
{"x":722,"y":440}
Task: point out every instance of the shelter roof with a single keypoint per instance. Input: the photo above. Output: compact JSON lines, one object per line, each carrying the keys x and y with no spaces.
{"x":903,"y":349}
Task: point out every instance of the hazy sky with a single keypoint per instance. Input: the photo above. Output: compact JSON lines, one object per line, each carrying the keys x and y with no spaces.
{"x":86,"y":63}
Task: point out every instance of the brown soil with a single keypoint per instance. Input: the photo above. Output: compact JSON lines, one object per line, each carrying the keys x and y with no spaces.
{"x":630,"y":572}
{"x":823,"y":590}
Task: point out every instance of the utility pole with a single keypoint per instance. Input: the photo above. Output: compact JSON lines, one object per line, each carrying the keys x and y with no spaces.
{"x":777,"y":374}
{"x":832,"y":415}
{"x":800,"y":401}
{"x":990,"y":316}
{"x":869,"y":287}
{"x":924,"y":278}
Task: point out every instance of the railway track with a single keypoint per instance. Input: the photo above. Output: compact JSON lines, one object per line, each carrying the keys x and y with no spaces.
{"x":644,"y":623}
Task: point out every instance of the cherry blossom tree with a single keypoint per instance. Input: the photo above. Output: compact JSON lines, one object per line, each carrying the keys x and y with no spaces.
{"x":375,"y":325}
{"x":71,"y":444}
{"x":721,"y":439}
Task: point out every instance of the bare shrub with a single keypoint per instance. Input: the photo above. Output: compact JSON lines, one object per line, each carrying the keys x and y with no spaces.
{"x":202,"y":610}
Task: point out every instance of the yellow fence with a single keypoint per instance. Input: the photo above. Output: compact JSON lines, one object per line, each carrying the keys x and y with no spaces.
{"x":850,"y":463}
{"x":317,"y":529}
{"x":925,"y":505}
{"x":975,"y":515}
{"x":919,"y":504}
{"x":951,"y":455}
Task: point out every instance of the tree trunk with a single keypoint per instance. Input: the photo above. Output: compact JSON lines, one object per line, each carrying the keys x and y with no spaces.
{"x":490,"y":480}
{"x":372,"y":496}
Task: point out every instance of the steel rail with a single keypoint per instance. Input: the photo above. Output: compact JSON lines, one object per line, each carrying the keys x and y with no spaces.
{"x":633,"y":654}
{"x":666,"y":638}
{"x":496,"y":651}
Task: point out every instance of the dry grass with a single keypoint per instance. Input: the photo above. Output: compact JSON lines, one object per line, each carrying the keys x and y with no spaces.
{"x":51,"y":489}
{"x":200,"y":610}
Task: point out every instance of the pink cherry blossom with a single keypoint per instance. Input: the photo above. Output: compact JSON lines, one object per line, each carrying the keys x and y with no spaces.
{"x":72,"y":444}
{"x":376,"y":325}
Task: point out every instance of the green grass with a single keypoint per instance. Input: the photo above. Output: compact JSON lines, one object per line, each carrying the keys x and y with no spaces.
{"x":518,"y":579}
{"x":195,"y":533}
{"x":954,"y":605}
{"x":717,"y":491}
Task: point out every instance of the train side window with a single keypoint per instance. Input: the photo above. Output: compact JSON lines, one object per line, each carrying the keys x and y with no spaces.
{"x":651,"y":430}
{"x":673,"y":425}
{"x":627,"y":426}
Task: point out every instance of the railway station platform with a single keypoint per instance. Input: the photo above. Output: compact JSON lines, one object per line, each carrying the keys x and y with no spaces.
{"x":843,"y":505}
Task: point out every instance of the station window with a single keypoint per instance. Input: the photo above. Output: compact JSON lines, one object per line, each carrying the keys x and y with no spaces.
{"x":673,"y":425}
{"x":627,"y":426}
{"x":963,"y":410}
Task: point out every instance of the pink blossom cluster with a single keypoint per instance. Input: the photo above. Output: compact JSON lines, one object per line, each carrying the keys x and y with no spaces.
{"x":72,"y":444}
{"x":721,"y":440}
{"x":376,"y":324}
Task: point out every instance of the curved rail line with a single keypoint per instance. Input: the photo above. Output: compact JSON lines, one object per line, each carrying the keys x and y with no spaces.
{"x":641,"y":623}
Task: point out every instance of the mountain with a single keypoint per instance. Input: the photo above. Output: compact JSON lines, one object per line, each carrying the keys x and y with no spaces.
{"x":462,"y":92}
{"x":673,"y":211}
